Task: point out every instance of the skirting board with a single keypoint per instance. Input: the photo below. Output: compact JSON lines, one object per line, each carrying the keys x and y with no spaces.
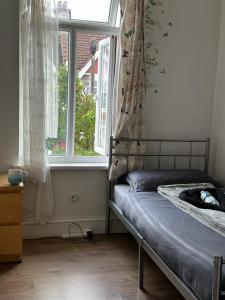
{"x":56,"y":228}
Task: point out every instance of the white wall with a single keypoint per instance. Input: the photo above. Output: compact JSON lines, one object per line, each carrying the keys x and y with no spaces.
{"x":89,"y":211}
{"x":218,"y":124}
{"x":182,"y":107}
{"x":9,"y":83}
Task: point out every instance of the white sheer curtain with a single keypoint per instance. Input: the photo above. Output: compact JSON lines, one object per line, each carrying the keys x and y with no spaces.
{"x":38,"y":96}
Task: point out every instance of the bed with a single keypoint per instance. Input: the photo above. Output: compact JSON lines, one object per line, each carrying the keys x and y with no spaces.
{"x":191,"y":254}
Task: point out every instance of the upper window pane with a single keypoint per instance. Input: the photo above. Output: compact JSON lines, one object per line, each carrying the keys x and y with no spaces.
{"x":87,"y":10}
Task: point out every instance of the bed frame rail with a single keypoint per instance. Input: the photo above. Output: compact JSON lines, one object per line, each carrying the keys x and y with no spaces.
{"x":143,"y":245}
{"x":161,"y":154}
{"x":217,"y":278}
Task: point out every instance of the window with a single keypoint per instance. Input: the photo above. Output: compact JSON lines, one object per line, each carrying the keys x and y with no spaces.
{"x":85,"y":81}
{"x":100,"y":11}
{"x":89,"y":10}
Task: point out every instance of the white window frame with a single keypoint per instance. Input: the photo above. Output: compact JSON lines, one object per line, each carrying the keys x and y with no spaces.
{"x":103,"y":150}
{"x":73,"y":26}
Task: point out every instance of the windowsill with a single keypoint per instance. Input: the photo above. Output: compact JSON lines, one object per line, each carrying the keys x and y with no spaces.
{"x":78,"y":166}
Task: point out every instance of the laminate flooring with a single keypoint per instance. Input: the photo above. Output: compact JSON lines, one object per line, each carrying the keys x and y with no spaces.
{"x":54,"y":269}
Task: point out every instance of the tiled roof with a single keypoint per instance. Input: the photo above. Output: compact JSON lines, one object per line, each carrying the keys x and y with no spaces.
{"x":64,"y":45}
{"x":83,"y":39}
{"x":83,"y":47}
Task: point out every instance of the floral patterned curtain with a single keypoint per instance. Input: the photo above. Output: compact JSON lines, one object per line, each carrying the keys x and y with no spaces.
{"x":130,"y":90}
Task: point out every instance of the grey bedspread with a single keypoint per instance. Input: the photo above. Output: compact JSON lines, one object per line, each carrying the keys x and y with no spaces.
{"x":185,"y":245}
{"x":213,"y":219}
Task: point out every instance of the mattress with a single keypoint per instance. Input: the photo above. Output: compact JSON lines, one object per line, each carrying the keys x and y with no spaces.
{"x":184,"y":244}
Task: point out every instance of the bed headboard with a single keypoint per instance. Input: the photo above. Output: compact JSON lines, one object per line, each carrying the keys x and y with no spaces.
{"x":172,"y":150}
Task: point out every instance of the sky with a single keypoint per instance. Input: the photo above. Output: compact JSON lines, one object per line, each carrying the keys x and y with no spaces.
{"x":93,"y":10}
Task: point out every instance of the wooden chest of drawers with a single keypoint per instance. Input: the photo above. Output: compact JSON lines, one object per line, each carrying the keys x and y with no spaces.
{"x":11,"y":203}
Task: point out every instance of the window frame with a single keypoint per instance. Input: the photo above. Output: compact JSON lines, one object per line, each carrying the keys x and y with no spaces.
{"x":72,"y":27}
{"x":103,"y":149}
{"x":112,"y":16}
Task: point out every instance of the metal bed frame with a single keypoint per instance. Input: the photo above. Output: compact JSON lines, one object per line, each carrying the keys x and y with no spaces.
{"x":143,"y":245}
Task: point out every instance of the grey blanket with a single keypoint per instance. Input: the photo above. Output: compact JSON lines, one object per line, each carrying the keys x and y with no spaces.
{"x":213,"y":219}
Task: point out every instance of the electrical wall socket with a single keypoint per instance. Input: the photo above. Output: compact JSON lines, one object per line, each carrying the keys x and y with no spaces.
{"x":74,"y":198}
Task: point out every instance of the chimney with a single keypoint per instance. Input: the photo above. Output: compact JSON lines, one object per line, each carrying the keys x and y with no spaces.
{"x":65,"y":5}
{"x":59,"y":6}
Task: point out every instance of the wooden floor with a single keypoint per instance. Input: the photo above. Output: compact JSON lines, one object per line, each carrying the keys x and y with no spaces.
{"x":57,"y":269}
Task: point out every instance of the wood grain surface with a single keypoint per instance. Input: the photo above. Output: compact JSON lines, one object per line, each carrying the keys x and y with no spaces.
{"x":55,"y":269}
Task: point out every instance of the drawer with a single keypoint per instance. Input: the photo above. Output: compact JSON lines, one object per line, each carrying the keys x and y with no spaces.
{"x":10,"y":240}
{"x":10,"y":208}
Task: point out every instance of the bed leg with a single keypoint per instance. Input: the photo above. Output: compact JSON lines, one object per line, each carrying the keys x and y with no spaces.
{"x":108,"y":213}
{"x":140,"y":266}
{"x":217,"y":273}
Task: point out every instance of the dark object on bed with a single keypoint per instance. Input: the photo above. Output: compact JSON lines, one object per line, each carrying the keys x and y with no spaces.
{"x":149,"y":180}
{"x":194,"y":197}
